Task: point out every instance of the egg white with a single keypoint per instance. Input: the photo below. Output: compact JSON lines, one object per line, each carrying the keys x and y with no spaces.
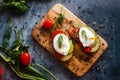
{"x":64,"y":50}
{"x":90,"y":37}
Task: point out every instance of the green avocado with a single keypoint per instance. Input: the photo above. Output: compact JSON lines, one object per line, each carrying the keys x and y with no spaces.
{"x":71,"y":46}
{"x":96,"y":45}
{"x":67,"y":57}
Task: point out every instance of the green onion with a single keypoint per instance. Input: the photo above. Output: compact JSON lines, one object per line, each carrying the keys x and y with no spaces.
{"x":13,"y":54}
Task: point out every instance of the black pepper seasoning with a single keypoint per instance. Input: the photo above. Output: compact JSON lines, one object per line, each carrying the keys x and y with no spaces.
{"x":110,"y":17}
{"x":79,"y":7}
{"x":38,"y":15}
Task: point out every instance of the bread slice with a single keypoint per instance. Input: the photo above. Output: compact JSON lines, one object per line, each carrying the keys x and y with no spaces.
{"x":81,"y":62}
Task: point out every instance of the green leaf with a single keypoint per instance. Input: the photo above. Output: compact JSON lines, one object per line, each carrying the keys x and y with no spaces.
{"x":19,"y":7}
{"x":17,"y":47}
{"x":36,"y":72}
{"x":24,"y":75}
{"x":16,"y":6}
{"x":58,"y":20}
{"x":25,"y":48}
{"x":84,"y":35}
{"x":7,"y":34}
{"x":60,"y":41}
{"x":18,"y":42}
{"x":4,"y":58}
{"x":45,"y":70}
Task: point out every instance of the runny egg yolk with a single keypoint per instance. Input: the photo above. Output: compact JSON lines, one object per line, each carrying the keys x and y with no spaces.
{"x":65,"y":45}
{"x":86,"y":37}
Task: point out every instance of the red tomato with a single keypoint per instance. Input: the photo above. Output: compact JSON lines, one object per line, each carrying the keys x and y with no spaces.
{"x":57,"y":32}
{"x":1,"y":71}
{"x":72,"y":32}
{"x":25,"y":58}
{"x":59,"y":56}
{"x":48,"y":24}
{"x":87,"y":49}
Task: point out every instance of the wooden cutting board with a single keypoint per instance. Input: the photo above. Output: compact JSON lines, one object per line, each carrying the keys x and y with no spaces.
{"x":81,"y":62}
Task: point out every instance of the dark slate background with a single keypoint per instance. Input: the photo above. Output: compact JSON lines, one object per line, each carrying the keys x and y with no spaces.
{"x":102,"y":15}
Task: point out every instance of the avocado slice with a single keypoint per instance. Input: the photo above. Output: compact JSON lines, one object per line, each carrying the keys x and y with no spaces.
{"x":96,"y":45}
{"x":71,"y":46}
{"x":67,"y":57}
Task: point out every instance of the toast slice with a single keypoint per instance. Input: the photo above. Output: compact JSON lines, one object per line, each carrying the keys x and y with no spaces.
{"x":81,"y":62}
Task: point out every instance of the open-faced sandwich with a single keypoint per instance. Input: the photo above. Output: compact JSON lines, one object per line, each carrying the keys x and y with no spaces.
{"x":62,"y":44}
{"x":61,"y":40}
{"x":76,"y":47}
{"x":86,"y":38}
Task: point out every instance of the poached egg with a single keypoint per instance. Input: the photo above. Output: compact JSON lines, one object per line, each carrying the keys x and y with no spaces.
{"x":86,"y":37}
{"x":65,"y":46}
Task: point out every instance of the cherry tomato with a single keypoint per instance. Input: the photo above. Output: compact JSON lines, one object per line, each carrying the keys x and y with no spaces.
{"x":59,"y":56}
{"x":72,"y":32}
{"x":1,"y":71}
{"x":48,"y":24}
{"x":56,"y":32}
{"x":87,"y":49}
{"x":25,"y":58}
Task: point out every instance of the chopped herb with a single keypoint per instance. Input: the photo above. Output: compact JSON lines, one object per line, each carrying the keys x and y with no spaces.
{"x":76,"y":32}
{"x":58,"y":20}
{"x":60,"y":41}
{"x":16,"y":6}
{"x":84,"y":35}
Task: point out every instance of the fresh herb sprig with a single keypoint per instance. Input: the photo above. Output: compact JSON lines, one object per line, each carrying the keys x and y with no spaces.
{"x":6,"y":36}
{"x":13,"y":54}
{"x":60,"y":41}
{"x":84,"y":35}
{"x":16,"y":6}
{"x":58,"y":20}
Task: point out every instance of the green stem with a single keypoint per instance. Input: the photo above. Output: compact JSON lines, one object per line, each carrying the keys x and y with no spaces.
{"x":23,"y":75}
{"x":7,"y":34}
{"x":5,"y":50}
{"x":35,"y":72}
{"x":4,"y":58}
{"x":45,"y":70}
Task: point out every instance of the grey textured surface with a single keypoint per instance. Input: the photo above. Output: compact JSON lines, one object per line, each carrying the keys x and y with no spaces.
{"x":102,"y":15}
